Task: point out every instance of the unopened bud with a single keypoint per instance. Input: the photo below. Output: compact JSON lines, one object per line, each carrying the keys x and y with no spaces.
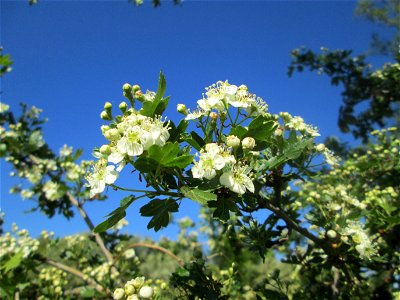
{"x":248,"y":143}
{"x":181,"y":108}
{"x":139,"y":95}
{"x":213,"y":115}
{"x":105,"y":150}
{"x":118,"y":294}
{"x":135,"y":88}
{"x":146,"y":292}
{"x":129,"y":289}
{"x":320,"y":147}
{"x":331,"y":234}
{"x":112,"y":134}
{"x":232,"y":141}
{"x":123,"y":106}
{"x":126,"y":87}
{"x":107,"y":106}
{"x":105,"y":116}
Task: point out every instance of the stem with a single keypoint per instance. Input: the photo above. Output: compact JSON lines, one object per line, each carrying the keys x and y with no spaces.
{"x":76,"y":273}
{"x":89,"y":223}
{"x":292,"y":224}
{"x":159,"y":248}
{"x":156,"y":193}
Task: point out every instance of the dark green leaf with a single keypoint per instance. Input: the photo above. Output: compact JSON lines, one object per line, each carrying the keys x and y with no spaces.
{"x":223,"y":207}
{"x":159,"y":211}
{"x":239,"y":131}
{"x":145,"y":164}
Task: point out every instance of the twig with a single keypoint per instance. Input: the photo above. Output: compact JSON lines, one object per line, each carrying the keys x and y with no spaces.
{"x":292,"y":224}
{"x":89,"y":223}
{"x":76,"y":273}
{"x":159,"y":248}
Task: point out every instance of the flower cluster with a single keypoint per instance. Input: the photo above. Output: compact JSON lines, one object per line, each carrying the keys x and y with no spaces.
{"x":128,"y":138}
{"x":221,"y":95}
{"x":355,"y":235}
{"x":134,"y":289}
{"x":217,"y":159}
{"x":55,"y":280}
{"x":19,"y":241}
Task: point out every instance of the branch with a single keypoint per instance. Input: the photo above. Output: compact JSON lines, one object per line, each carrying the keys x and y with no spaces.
{"x":89,"y":223}
{"x":159,"y":248}
{"x":76,"y":273}
{"x":292,"y":224}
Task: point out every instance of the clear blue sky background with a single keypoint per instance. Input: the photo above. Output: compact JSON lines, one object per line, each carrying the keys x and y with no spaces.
{"x":71,"y":57}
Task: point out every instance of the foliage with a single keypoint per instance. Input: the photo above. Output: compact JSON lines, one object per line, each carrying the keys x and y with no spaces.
{"x":5,"y":63}
{"x":361,"y":84}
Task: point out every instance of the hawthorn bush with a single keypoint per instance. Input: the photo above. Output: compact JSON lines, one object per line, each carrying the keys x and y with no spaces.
{"x":283,"y":217}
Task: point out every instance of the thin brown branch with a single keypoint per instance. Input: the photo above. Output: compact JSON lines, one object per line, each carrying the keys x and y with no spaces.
{"x":89,"y":223}
{"x":159,"y":248}
{"x":76,"y":273}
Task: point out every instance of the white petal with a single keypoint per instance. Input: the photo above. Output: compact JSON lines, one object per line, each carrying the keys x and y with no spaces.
{"x":248,"y":183}
{"x":226,"y":179}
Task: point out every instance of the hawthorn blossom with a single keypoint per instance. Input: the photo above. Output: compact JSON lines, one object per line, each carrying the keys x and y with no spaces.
{"x":101,"y":175}
{"x":238,"y":180}
{"x":212,"y":159}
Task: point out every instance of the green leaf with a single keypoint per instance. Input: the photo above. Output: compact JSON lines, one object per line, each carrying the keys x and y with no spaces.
{"x":261,"y":128}
{"x":223,"y":207}
{"x":180,"y":162}
{"x":166,"y":156}
{"x":165,"y":153}
{"x":13,"y":262}
{"x":239,"y":131}
{"x":158,"y":105}
{"x":175,"y":132}
{"x":198,"y":195}
{"x":145,"y":164}
{"x":294,"y":149}
{"x":198,"y":139}
{"x":159,"y":211}
{"x":116,"y":215}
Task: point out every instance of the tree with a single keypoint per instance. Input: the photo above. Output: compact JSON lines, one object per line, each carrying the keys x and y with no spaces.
{"x":362,"y":84}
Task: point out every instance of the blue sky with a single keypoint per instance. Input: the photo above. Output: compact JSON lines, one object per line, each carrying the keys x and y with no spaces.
{"x":72,"y":56}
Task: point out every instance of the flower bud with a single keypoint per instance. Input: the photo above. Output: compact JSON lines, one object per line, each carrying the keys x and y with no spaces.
{"x":331,"y":234}
{"x":213,"y":115}
{"x":146,"y":292}
{"x":129,"y":289}
{"x":139,"y":95}
{"x":126,"y":87}
{"x":248,"y":143}
{"x":107,"y":106}
{"x":118,"y":294}
{"x":320,"y":147}
{"x":138,"y":282}
{"x":278,"y":132}
{"x":181,"y":108}
{"x":135,"y":88}
{"x":112,"y":134}
{"x":105,"y":116}
{"x":123,"y":106}
{"x":232,"y":141}
{"x":105,"y":150}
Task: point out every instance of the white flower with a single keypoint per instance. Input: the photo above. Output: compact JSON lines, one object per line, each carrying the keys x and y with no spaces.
{"x":146,"y":292}
{"x":115,"y":157}
{"x":65,"y":151}
{"x":248,"y":143}
{"x":129,"y":253}
{"x":212,"y":159}
{"x":4,"y":107}
{"x":101,"y":175}
{"x":53,"y":190}
{"x":130,"y":143}
{"x":118,"y":294}
{"x":320,"y":147}
{"x":238,"y":180}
